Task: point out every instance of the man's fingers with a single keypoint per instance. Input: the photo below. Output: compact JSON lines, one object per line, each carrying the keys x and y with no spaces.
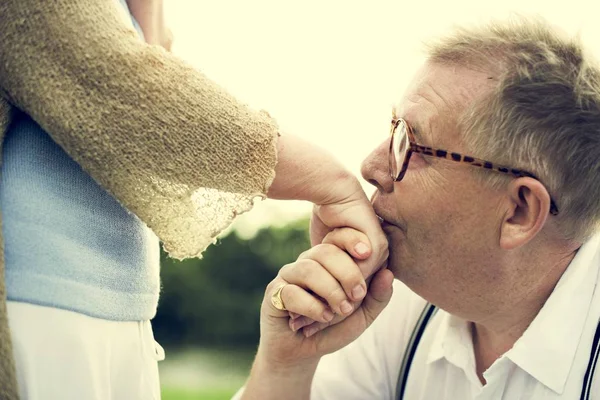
{"x":379,"y":295}
{"x":356,"y":243}
{"x":335,"y":336}
{"x":300,"y":322}
{"x":293,"y":315}
{"x":299,"y":301}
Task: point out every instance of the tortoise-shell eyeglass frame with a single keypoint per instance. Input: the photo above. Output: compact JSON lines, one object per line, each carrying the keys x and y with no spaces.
{"x":413,"y":147}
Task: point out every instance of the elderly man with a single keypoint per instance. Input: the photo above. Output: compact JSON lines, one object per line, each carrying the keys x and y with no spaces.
{"x":489,"y":193}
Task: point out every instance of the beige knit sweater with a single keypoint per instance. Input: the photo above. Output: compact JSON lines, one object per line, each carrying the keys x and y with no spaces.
{"x":168,"y":143}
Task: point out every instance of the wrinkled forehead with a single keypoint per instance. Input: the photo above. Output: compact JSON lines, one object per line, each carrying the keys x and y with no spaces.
{"x":436,"y":98}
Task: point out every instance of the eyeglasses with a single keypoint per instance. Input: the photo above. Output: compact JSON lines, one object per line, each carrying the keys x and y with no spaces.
{"x":403,"y":144}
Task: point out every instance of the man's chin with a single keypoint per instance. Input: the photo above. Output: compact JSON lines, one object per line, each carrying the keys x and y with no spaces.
{"x":397,"y":258}
{"x":395,"y":234}
{"x":395,"y":267}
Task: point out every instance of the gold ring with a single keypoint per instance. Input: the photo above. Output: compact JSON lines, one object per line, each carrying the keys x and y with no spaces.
{"x":276,"y":298}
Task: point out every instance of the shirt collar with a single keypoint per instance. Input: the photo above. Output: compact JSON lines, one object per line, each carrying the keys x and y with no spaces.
{"x":436,"y":351}
{"x":547,"y":349}
{"x":452,"y":340}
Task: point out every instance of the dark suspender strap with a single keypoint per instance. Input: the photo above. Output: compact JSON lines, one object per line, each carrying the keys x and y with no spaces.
{"x":586,"y":390}
{"x":411,"y":348}
{"x":419,"y":329}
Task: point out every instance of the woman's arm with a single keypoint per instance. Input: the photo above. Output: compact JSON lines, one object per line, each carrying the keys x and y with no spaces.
{"x":171,"y":145}
{"x":167,"y":142}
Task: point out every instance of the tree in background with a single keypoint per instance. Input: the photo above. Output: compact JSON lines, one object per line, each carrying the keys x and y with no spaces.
{"x":216,"y":300}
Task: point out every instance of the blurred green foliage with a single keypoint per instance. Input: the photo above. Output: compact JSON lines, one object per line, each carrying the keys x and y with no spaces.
{"x":216,"y":300}
{"x":195,"y":394}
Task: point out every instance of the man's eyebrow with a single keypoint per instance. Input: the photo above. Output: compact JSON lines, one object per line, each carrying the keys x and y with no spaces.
{"x":418,"y":133}
{"x":416,"y":130}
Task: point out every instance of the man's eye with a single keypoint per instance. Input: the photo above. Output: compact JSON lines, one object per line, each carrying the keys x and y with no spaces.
{"x":420,"y":160}
{"x":425,"y":157}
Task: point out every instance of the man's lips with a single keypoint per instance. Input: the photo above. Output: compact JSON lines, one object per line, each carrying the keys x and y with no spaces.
{"x":384,"y":221}
{"x":386,"y":224}
{"x":377,"y":207}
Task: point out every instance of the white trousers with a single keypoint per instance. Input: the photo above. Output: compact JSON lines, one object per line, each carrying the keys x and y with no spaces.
{"x":69,"y":356}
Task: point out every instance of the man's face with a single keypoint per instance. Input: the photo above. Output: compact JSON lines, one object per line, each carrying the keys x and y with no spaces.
{"x":442,"y":225}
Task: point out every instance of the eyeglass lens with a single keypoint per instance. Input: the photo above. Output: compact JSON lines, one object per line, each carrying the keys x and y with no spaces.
{"x":399,"y":146}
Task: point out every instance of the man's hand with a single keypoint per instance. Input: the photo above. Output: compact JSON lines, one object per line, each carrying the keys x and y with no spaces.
{"x":316,"y":286}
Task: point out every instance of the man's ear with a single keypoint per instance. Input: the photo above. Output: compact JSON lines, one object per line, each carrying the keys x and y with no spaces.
{"x":528,"y":209}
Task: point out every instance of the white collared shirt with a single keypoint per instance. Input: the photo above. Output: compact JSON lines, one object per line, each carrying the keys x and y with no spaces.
{"x":547,"y":362}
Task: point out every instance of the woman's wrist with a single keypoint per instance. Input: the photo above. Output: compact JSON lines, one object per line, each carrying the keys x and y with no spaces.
{"x":305,"y":171}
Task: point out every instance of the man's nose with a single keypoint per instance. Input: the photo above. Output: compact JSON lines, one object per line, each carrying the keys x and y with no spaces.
{"x":375,"y":168}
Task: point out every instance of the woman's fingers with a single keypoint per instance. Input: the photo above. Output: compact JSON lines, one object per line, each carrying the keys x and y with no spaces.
{"x":326,"y":282}
{"x":329,"y":274}
{"x":341,"y":267}
{"x":356,"y":243}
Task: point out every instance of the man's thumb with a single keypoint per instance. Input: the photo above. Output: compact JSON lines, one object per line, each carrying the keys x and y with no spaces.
{"x":379,"y":294}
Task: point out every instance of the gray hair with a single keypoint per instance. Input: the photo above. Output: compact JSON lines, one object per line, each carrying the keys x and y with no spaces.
{"x":543,"y":115}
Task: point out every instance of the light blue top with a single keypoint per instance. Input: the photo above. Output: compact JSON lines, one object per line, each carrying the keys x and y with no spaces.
{"x":67,"y":242}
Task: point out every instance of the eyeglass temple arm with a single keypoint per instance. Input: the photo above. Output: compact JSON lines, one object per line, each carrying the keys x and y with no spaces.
{"x":477,"y":162}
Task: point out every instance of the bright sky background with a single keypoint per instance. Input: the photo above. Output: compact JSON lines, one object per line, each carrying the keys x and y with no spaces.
{"x":330,"y":70}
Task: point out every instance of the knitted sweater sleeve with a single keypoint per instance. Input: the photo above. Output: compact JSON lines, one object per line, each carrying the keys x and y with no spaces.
{"x":171,"y":145}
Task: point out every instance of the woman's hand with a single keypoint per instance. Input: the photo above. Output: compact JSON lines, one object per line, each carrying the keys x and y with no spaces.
{"x":150,"y":15}
{"x":307,"y":172}
{"x":354,"y":211}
